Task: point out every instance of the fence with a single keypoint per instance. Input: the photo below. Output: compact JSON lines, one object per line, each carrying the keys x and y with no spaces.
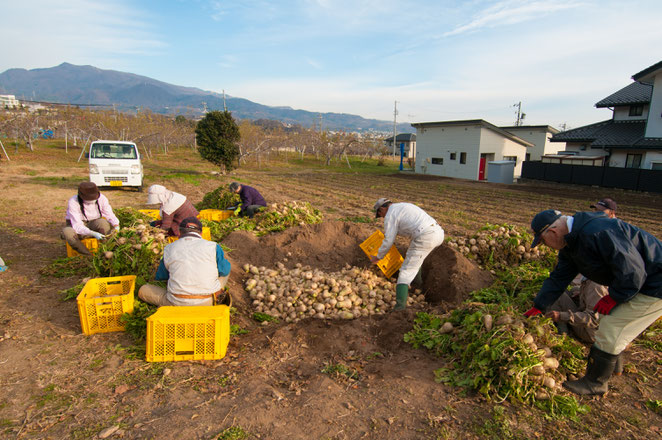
{"x":625,"y":178}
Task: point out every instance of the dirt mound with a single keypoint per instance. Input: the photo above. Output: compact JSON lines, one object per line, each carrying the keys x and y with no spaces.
{"x":327,"y":246}
{"x":448,"y":276}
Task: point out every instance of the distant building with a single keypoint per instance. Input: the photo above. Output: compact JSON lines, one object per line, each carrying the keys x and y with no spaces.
{"x":9,"y":101}
{"x":632,"y":138}
{"x":463,"y":149}
{"x":409,"y":139}
{"x":540,"y":136}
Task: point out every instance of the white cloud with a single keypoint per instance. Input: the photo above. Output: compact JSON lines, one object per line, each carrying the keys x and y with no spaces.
{"x":511,"y":12}
{"x":78,"y":31}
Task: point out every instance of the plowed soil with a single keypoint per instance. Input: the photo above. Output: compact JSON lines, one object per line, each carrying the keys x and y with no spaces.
{"x":279,"y":381}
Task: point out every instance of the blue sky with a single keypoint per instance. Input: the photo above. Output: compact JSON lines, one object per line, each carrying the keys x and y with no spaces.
{"x":441,"y":60}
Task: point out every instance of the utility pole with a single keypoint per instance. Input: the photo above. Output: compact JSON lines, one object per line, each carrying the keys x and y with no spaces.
{"x":225,"y":107}
{"x":395,"y":115}
{"x":520,"y":115}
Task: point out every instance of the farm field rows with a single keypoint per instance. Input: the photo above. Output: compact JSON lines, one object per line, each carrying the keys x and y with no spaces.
{"x":308,"y":380}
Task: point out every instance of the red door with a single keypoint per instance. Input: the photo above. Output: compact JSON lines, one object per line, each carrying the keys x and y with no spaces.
{"x":481,"y":170}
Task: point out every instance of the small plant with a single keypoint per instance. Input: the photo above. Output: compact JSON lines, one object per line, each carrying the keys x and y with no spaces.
{"x":340,"y":370}
{"x":358,"y":219}
{"x":71,"y":293}
{"x":654,"y":405}
{"x":233,"y":433}
{"x":264,"y":317}
{"x":237,"y":330}
{"x":135,"y":323}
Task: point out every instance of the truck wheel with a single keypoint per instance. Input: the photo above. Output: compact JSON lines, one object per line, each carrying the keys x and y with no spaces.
{"x":139,"y":188}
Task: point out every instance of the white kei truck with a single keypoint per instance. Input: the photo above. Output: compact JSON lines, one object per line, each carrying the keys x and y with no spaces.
{"x":115,"y":163}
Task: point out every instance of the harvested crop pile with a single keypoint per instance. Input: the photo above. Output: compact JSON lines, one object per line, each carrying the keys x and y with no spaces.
{"x":499,"y":245}
{"x":135,"y":250}
{"x":303,"y":292}
{"x":275,"y":218}
{"x":220,"y":198}
{"x":501,"y":355}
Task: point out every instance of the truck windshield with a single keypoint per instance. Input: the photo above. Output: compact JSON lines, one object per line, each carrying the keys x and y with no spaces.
{"x":113,"y":151}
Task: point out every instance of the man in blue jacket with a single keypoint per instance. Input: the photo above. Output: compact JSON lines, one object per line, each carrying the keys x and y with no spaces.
{"x":613,"y":253}
{"x":251,"y":200}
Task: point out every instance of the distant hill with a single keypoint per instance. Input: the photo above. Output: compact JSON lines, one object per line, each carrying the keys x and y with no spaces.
{"x":68,"y":83}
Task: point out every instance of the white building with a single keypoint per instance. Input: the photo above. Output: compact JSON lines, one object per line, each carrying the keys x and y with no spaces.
{"x":409,"y":141}
{"x":463,"y":149}
{"x":9,"y":101}
{"x":632,"y":138}
{"x":541,"y":138}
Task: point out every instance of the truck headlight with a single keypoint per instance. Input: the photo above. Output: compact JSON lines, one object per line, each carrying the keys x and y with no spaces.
{"x":136,"y":169}
{"x":94,"y":169}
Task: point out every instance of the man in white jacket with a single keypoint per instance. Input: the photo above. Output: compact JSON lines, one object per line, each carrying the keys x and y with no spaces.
{"x":407,"y":220}
{"x":196,"y":270}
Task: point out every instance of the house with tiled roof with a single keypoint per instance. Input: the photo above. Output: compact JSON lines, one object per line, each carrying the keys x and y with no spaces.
{"x":409,"y":141}
{"x":632,"y":138}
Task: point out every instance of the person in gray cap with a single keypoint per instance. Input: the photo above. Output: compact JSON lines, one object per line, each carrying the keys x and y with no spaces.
{"x":613,"y":253}
{"x":196,"y":270}
{"x":410,"y":221}
{"x":251,"y":199}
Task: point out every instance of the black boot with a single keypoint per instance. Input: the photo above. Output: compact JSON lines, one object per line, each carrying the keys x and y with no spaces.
{"x":598,"y":371}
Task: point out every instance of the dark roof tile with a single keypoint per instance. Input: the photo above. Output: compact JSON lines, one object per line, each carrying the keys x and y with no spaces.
{"x":635,"y":93}
{"x":606,"y":134}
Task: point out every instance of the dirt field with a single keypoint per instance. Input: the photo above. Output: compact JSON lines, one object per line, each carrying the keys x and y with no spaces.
{"x":58,"y":383}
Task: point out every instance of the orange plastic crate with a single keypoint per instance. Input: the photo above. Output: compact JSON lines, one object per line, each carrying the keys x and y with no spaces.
{"x":103,"y":301}
{"x":92,"y":244}
{"x":215,"y":215}
{"x":206,"y":234}
{"x":184,"y":333}
{"x":391,"y":261}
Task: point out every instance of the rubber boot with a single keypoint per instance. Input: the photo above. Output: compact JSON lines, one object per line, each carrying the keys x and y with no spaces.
{"x":401,"y":295}
{"x":418,"y":279}
{"x":618,"y":368}
{"x":598,"y":371}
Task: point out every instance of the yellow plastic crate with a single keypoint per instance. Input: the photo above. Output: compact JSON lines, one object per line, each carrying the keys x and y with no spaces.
{"x":215,"y":215}
{"x":391,"y":261}
{"x":92,"y":244}
{"x":206,"y":234}
{"x":103,"y":301}
{"x":154,"y":213}
{"x":184,"y":333}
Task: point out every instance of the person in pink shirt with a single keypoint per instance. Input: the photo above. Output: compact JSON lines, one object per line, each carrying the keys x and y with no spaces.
{"x":89,"y":214}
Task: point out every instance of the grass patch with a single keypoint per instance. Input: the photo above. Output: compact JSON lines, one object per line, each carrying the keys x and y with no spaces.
{"x":264,"y":317}
{"x":71,"y":293}
{"x":233,"y":433}
{"x":67,"y":267}
{"x":358,"y":219}
{"x":237,"y":330}
{"x":340,"y":371}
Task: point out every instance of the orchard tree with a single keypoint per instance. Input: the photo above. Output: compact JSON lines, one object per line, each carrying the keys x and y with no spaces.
{"x":217,"y":136}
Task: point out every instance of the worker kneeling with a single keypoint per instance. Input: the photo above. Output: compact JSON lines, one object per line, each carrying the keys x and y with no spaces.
{"x":408,"y":220}
{"x":196,"y":270}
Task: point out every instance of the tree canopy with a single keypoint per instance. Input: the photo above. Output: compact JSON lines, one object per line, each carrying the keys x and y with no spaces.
{"x":217,"y":135}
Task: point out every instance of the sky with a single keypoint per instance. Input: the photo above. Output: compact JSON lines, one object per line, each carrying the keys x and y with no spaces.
{"x":440,"y":60}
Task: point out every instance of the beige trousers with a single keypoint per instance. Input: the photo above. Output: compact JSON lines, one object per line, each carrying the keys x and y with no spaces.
{"x":157,"y":295}
{"x":70,"y":236}
{"x":626,"y":321}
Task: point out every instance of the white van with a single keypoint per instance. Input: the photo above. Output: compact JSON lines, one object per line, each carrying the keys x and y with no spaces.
{"x":115,"y":163}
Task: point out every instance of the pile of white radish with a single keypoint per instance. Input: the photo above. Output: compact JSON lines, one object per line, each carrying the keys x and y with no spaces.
{"x":303,"y":292}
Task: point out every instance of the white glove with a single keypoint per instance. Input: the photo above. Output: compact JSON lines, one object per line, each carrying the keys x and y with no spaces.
{"x":117,"y":228}
{"x":97,"y":235}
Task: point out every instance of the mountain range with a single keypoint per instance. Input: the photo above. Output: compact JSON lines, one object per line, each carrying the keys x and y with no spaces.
{"x":86,"y":85}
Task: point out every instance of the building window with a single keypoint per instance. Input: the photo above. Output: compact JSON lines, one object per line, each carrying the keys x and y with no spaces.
{"x":437,"y":161}
{"x":510,"y":158}
{"x":636,"y":110}
{"x":656,"y":166}
{"x":463,"y":157}
{"x":453,"y":155}
{"x":633,"y":161}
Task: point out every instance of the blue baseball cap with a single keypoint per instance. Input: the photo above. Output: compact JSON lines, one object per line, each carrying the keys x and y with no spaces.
{"x":541,"y":222}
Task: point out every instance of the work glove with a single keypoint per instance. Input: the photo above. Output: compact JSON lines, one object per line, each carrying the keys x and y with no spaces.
{"x":605,"y":305}
{"x":117,"y":228}
{"x":97,"y":235}
{"x":237,"y":211}
{"x":532,"y":312}
{"x":231,"y":208}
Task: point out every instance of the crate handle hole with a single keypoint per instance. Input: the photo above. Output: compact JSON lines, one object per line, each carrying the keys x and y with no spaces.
{"x":182,"y":353}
